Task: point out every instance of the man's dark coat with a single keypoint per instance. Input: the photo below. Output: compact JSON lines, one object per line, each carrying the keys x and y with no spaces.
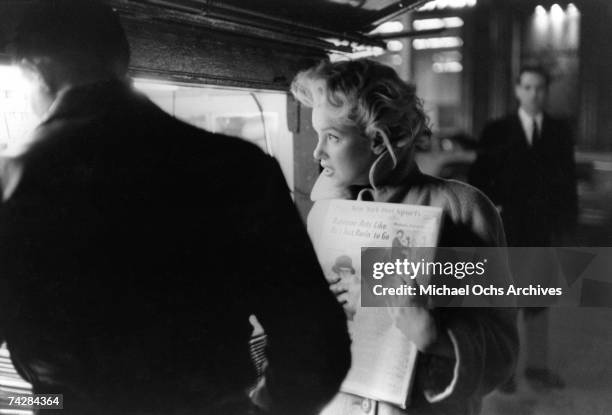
{"x":132,"y":252}
{"x":535,"y":186}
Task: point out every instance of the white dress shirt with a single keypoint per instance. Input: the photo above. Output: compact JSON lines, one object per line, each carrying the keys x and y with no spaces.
{"x":527,"y":123}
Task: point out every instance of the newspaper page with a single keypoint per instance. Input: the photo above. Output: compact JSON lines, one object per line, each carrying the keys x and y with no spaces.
{"x":383,"y":360}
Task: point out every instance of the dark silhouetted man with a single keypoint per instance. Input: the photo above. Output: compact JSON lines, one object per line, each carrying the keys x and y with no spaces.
{"x":118,"y":289}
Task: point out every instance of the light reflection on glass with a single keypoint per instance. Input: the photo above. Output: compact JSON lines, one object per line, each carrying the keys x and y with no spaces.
{"x":389,"y":27}
{"x":437,"y":23}
{"x":437,"y":42}
{"x":17,"y":119}
{"x":395,"y":45}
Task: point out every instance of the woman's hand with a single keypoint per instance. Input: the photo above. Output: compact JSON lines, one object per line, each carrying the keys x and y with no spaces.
{"x":412,"y":317}
{"x":416,"y":324}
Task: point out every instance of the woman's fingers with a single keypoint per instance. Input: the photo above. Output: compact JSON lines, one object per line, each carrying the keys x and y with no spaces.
{"x":343,"y":298}
{"x":338,"y":289}
{"x":333,"y":281}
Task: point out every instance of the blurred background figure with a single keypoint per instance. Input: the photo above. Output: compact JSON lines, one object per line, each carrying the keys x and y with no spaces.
{"x":526,"y":166}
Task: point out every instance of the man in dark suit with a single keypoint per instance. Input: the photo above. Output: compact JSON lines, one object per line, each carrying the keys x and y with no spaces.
{"x":120,"y":287}
{"x":526,"y":166}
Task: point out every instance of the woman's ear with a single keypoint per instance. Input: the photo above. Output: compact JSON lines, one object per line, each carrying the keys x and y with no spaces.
{"x":378,"y":144}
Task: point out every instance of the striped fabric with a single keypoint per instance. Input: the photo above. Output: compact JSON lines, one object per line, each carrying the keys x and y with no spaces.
{"x":11,"y":384}
{"x":257,"y":346}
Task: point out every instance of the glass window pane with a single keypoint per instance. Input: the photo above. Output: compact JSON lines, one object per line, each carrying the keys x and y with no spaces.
{"x":256,"y":116}
{"x":16,"y":116}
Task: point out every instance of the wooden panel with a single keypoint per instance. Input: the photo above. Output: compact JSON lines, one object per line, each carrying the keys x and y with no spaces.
{"x":205,"y":56}
{"x":189,"y":53}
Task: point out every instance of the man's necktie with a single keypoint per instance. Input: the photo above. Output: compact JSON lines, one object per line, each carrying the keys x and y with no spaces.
{"x":535,"y":135}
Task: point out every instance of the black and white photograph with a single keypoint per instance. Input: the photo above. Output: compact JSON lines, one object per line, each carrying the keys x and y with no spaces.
{"x":305,"y":207}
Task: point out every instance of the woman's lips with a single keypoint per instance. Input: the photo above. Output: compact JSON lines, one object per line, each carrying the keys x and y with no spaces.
{"x":327,"y":171}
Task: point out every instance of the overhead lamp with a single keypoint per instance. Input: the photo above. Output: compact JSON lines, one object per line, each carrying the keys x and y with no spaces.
{"x":556,"y":12}
{"x":572,"y":10}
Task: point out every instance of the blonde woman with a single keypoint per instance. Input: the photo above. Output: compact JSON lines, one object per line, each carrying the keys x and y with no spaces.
{"x":367,"y":120}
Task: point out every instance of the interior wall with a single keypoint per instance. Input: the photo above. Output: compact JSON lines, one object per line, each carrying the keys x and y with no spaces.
{"x":187,"y":53}
{"x":306,"y":169}
{"x":595,"y":122}
{"x":201,"y":55}
{"x":491,"y":53}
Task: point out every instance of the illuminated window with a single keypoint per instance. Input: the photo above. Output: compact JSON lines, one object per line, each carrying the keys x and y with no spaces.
{"x":16,"y":117}
{"x":437,"y":68}
{"x":437,"y":23}
{"x":359,"y":52}
{"x":255,"y":116}
{"x":395,"y":45}
{"x":447,"y":4}
{"x":437,"y":43}
{"x":447,"y":62}
{"x":389,"y":27}
{"x":447,"y":67}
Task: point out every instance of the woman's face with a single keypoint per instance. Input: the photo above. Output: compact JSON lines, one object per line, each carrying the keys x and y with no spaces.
{"x":342,"y":150}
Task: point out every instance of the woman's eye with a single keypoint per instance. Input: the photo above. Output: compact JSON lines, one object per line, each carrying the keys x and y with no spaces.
{"x":333,"y":138}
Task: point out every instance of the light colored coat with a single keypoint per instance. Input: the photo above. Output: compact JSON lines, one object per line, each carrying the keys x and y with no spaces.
{"x":485,"y":340}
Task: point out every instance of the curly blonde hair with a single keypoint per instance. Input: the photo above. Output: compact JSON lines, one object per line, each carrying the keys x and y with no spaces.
{"x":369,"y":95}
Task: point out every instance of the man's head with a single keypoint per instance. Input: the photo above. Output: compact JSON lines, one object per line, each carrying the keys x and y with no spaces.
{"x":62,"y":43}
{"x":531,"y":89}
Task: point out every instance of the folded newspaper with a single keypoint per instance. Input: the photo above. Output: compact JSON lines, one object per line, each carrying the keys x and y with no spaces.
{"x":383,"y":360}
